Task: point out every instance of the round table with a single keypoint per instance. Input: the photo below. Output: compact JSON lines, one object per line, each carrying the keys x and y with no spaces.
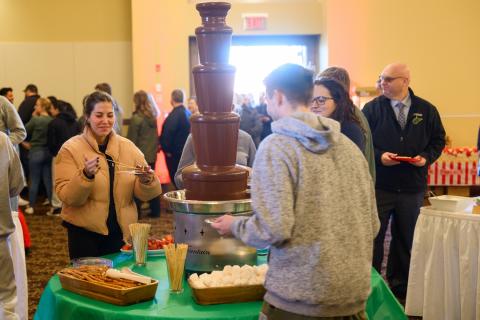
{"x":57,"y":303}
{"x":444,"y":268}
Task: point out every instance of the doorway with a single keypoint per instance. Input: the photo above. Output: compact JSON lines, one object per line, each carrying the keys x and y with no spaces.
{"x":256,"y":56}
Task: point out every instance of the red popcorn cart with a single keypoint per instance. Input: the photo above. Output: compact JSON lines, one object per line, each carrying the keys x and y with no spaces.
{"x":455,"y":167}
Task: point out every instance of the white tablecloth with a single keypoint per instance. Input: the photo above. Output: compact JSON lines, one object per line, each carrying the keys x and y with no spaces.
{"x":17,"y":251}
{"x":444,"y":268}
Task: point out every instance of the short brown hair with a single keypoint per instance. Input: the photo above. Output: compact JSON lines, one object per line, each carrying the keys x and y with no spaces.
{"x":339,"y":74}
{"x":177,"y":96}
{"x":293,"y":80}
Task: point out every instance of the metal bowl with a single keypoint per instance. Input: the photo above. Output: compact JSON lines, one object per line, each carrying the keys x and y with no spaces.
{"x":178,"y":203}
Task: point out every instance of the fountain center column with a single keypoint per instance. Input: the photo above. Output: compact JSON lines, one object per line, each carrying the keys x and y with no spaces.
{"x":215,"y":176}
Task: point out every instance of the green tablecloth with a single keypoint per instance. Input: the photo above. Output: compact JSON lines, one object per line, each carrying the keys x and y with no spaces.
{"x":60,"y":304}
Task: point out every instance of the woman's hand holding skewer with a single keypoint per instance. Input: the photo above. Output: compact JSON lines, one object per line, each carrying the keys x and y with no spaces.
{"x":91,"y":167}
{"x":145,"y":174}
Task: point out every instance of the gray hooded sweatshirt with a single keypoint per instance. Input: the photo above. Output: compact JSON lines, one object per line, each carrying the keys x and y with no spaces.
{"x":314,"y":205}
{"x":11,"y":183}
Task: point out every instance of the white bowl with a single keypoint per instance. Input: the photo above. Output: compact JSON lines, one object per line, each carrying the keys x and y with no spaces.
{"x":451,"y":203}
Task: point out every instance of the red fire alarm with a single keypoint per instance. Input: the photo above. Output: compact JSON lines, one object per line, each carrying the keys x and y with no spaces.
{"x":158,"y":67}
{"x":255,"y":21}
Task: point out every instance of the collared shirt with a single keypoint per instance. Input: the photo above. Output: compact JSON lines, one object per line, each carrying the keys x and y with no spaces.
{"x":407,"y":102}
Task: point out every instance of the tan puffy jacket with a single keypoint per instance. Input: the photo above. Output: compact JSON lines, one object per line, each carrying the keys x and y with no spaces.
{"x":85,"y":202}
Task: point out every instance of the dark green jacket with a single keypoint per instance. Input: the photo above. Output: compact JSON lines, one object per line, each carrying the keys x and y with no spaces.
{"x":142,"y":131}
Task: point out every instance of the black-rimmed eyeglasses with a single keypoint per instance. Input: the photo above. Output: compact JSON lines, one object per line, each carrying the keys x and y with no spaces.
{"x":388,"y":79}
{"x":320,"y":100}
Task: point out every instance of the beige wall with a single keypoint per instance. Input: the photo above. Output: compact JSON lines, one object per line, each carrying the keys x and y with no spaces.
{"x":160,"y":31}
{"x":65,"y":20}
{"x":438,"y":39}
{"x":66,"y":47}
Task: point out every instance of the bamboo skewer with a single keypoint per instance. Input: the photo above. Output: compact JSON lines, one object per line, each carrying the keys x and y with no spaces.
{"x":139,"y":233}
{"x":130,"y":172}
{"x":175,"y":256}
{"x":122,"y":164}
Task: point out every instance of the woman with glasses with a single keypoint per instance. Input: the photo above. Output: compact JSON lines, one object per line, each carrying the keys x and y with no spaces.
{"x":332,"y":101}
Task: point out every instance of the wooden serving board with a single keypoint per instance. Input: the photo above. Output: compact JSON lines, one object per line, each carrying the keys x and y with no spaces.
{"x":121,"y":297}
{"x":228,"y":294}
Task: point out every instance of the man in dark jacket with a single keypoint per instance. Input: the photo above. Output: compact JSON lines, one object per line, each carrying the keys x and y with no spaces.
{"x":25,"y":111}
{"x":264,"y":117}
{"x":402,"y":125}
{"x":60,"y":129}
{"x":175,"y":131}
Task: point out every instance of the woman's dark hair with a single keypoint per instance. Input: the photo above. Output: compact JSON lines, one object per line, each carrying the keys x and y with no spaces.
{"x":66,"y":107}
{"x":92,"y":99}
{"x":344,"y":110}
{"x":54,"y":101}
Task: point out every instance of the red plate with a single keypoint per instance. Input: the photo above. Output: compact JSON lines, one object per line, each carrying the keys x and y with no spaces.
{"x":405,"y":159}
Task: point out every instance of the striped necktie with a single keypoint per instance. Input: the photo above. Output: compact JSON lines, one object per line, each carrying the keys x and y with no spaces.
{"x":402,"y":119}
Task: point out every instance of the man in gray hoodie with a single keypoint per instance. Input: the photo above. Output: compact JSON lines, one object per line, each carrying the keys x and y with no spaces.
{"x":11,"y":183}
{"x":314,"y":206}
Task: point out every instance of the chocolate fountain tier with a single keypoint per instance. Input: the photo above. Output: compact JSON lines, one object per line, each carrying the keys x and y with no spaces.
{"x":215,"y":140}
{"x":214,"y":36}
{"x":214,"y":86}
{"x":215,"y":185}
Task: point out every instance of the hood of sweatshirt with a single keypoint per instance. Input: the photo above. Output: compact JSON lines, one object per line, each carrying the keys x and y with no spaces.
{"x":314,"y":132}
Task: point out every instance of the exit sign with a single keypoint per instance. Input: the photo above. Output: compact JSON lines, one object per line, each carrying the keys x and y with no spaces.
{"x":255,"y":21}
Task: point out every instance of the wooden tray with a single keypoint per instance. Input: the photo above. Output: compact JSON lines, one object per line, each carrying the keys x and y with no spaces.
{"x":121,"y":297}
{"x":228,"y":294}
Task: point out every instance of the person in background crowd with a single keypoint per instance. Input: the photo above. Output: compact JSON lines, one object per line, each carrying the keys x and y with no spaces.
{"x":11,"y":183}
{"x":332,"y":101}
{"x":192,"y":105}
{"x":25,"y":111}
{"x":245,"y":155}
{"x":60,"y":129}
{"x":342,"y":76}
{"x":105,"y":87}
{"x":26,"y":108}
{"x":249,"y":120}
{"x":301,"y":190}
{"x":10,"y":122}
{"x":265,"y":119}
{"x":143,"y":133}
{"x":40,"y":160}
{"x":94,"y":181}
{"x":402,"y":124}
{"x":7,"y":93}
{"x":175,"y":131}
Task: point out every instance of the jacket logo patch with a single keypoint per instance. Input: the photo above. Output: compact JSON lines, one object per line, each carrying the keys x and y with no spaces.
{"x":417,"y":118}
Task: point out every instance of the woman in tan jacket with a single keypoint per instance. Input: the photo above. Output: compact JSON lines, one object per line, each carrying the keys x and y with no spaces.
{"x":95,"y":180}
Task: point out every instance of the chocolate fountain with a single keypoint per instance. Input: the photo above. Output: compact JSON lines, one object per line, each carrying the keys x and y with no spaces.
{"x":214,"y":185}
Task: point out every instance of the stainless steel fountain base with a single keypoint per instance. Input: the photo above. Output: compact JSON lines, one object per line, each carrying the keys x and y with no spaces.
{"x":207,"y":250}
